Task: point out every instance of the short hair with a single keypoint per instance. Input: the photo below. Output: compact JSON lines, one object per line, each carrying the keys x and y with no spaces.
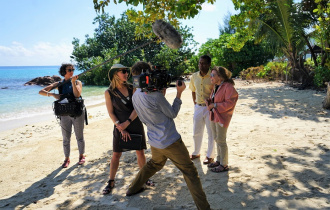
{"x":139,"y":66}
{"x":62,"y":70}
{"x":207,"y":58}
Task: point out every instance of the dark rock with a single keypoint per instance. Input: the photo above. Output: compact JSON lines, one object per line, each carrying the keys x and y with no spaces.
{"x":46,"y":80}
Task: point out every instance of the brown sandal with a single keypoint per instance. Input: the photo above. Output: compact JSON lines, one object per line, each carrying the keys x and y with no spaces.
{"x":220,"y":168}
{"x":214,"y":164}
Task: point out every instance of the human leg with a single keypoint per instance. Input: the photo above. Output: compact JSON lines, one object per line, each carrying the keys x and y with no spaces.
{"x":179,"y":155}
{"x":198,"y":129}
{"x":222,"y":147}
{"x":141,"y":158}
{"x":156,"y":163}
{"x":210,"y":143}
{"x":78,"y":125}
{"x":66,"y":128}
{"x":114,"y":164}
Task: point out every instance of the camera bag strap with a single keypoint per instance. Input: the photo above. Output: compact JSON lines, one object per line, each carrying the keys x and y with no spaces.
{"x":122,"y":97}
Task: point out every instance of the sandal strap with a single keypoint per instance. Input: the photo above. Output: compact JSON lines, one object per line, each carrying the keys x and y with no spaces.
{"x":214,"y":164}
{"x":108,"y":188}
{"x":220,"y":168}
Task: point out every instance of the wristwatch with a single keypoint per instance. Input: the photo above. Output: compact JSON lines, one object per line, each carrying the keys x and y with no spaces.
{"x":129,"y":120}
{"x":215,"y":105}
{"x":117,"y":122}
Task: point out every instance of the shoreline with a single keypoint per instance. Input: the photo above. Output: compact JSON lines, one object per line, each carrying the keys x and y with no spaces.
{"x":45,"y":117}
{"x":279,"y":158}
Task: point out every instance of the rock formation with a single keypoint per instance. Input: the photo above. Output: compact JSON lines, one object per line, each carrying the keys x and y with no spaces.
{"x":43,"y":81}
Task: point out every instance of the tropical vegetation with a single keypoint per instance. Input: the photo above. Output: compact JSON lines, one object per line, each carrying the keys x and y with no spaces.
{"x":288,"y":30}
{"x":113,"y":38}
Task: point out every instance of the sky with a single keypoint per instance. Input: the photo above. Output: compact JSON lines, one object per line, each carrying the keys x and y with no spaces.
{"x":40,"y":32}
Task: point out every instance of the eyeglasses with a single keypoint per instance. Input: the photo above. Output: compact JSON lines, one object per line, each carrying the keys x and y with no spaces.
{"x":124,"y":71}
{"x":212,"y":75}
{"x":70,"y":70}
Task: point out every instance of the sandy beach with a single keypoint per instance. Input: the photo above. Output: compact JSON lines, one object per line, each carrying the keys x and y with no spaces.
{"x":279,"y":158}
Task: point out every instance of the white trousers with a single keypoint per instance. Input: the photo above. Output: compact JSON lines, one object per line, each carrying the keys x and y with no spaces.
{"x":201,"y":119}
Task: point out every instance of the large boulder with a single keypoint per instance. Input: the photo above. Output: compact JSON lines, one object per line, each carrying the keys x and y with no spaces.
{"x":43,"y":81}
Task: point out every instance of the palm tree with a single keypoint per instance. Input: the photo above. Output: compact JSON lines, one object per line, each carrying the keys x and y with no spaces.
{"x":278,"y":27}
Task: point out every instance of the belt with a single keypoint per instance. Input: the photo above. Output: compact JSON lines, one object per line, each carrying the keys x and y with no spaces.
{"x":201,"y":104}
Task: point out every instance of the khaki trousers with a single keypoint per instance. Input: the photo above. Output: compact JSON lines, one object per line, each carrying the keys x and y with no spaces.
{"x":220,"y":136}
{"x":179,"y":155}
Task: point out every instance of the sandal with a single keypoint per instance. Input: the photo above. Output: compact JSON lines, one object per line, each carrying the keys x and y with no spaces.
{"x":66,"y":163}
{"x":214,"y":164}
{"x":220,"y":168}
{"x":81,"y":160}
{"x":108,"y":188}
{"x":150,"y":183}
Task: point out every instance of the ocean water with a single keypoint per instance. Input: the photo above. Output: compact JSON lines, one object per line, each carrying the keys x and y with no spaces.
{"x":19,"y":101}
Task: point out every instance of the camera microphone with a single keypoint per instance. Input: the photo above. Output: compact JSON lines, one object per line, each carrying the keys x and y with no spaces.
{"x":167,"y":33}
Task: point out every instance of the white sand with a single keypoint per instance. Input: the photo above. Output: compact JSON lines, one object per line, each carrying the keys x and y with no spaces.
{"x":278,"y":155}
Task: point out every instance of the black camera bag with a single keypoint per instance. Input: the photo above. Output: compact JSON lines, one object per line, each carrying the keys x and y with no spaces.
{"x":74,"y":107}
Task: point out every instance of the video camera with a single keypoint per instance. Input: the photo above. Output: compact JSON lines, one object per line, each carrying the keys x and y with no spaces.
{"x":155,"y":80}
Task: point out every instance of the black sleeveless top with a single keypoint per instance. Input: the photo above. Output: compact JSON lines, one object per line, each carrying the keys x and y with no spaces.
{"x":123,"y":109}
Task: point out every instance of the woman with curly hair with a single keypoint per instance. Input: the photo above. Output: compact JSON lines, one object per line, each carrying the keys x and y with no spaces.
{"x":69,"y":87}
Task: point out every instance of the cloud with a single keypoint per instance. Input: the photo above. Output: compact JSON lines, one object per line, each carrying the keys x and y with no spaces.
{"x":41,"y":53}
{"x":15,"y":50}
{"x":208,"y":7}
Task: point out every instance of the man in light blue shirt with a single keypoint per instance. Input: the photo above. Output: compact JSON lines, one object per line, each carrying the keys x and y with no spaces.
{"x":157,"y":114}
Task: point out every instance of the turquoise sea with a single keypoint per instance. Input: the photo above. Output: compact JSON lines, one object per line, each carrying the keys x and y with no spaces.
{"x":19,"y":101}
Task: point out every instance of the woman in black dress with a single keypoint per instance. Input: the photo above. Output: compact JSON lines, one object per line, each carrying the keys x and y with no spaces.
{"x":119,"y":104}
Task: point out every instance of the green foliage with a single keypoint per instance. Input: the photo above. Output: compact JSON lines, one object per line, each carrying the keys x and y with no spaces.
{"x":322,"y":28}
{"x":270,"y":72}
{"x":193,"y":64}
{"x":322,"y":75}
{"x":161,"y":8}
{"x":250,"y":55}
{"x":264,"y":72}
{"x":251,"y":73}
{"x":171,"y":10}
{"x":284,"y":23}
{"x":309,"y":63}
{"x":114,"y":37}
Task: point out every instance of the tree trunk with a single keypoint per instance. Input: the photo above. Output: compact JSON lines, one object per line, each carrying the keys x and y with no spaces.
{"x":310,"y":49}
{"x":326,"y":102}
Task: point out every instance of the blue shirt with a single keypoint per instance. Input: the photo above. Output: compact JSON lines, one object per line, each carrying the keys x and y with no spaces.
{"x":66,"y":88}
{"x":157,"y":114}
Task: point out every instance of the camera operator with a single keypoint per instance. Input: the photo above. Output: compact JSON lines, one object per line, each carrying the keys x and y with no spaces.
{"x":157,"y":114}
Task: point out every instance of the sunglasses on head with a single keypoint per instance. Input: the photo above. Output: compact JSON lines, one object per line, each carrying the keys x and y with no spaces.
{"x":70,"y":70}
{"x":124,"y":71}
